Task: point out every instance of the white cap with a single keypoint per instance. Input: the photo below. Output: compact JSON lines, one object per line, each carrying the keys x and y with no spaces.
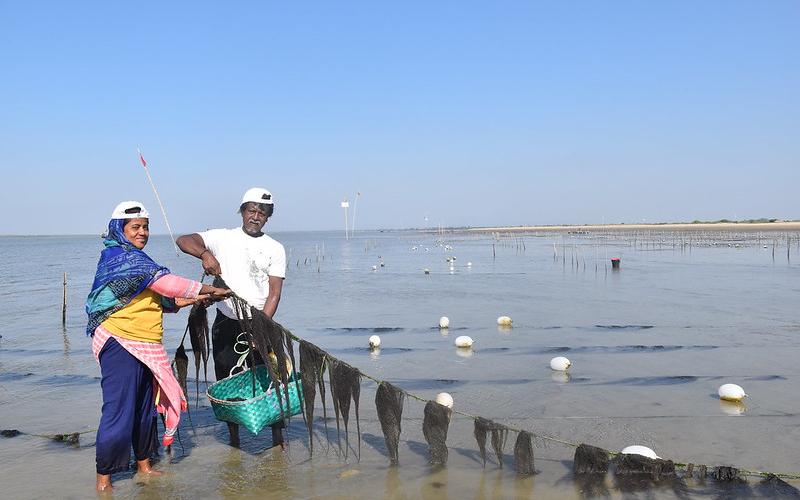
{"x":128,"y":210}
{"x":257,"y":195}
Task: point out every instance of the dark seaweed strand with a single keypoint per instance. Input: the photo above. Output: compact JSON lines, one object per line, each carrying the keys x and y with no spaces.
{"x":523,"y":454}
{"x":261,"y":334}
{"x":335,"y":390}
{"x":276,"y":340}
{"x":240,"y":307}
{"x":355,"y":391}
{"x":181,"y":364}
{"x":481,"y":429}
{"x":309,"y":370}
{"x":546,"y":438}
{"x":499,"y":436}
{"x":389,"y":404}
{"x":196,"y":354}
{"x":434,"y":428}
{"x":345,"y":385}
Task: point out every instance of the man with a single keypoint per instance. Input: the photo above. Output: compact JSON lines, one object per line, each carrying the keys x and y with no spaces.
{"x":254,"y":266}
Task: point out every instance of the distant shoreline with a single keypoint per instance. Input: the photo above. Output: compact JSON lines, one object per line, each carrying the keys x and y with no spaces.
{"x":683,"y":226}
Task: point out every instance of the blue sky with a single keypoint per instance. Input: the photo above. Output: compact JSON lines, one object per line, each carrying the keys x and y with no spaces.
{"x":467,"y":113}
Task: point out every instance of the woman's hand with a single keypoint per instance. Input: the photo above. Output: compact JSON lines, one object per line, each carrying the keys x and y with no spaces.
{"x":182,"y":302}
{"x":210,"y":264}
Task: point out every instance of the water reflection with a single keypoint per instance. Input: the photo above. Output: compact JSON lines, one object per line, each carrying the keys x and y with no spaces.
{"x":733,"y":408}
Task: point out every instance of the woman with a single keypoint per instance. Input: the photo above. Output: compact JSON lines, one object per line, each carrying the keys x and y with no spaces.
{"x":129,"y":295}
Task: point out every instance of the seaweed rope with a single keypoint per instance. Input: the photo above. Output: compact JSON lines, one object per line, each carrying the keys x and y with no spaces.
{"x":543,"y":437}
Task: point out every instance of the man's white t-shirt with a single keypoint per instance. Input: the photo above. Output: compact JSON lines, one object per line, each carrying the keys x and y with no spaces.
{"x":246,"y":263}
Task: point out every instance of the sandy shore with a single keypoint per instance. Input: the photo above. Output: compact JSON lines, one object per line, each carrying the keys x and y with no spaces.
{"x":721,"y":226}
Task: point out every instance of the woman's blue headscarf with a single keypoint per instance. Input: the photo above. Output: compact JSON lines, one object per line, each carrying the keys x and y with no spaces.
{"x":123,"y":272}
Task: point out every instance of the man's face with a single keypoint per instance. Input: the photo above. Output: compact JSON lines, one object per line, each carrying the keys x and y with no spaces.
{"x":253,"y":219}
{"x":137,"y":231}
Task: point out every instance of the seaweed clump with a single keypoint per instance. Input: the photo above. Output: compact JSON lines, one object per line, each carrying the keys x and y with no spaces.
{"x":434,"y":427}
{"x":523,"y":454}
{"x":389,"y":403}
{"x":181,"y":365}
{"x":345,"y":382}
{"x":199,"y":339}
{"x":499,"y":435}
{"x":312,"y":364}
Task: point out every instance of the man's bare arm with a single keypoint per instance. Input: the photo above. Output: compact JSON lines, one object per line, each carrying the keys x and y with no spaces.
{"x":274,"y":297}
{"x":194,"y":245}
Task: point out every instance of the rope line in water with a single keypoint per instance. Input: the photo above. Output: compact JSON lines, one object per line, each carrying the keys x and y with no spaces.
{"x":515,"y":429}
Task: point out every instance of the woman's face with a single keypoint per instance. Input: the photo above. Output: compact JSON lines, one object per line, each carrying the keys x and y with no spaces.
{"x":138,"y":232}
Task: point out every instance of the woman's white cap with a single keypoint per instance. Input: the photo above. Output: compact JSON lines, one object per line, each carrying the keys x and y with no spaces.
{"x":130,"y":210}
{"x":257,"y":195}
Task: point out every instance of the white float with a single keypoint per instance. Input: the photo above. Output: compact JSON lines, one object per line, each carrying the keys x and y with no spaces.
{"x":504,"y":321}
{"x":426,"y":271}
{"x":374,"y":341}
{"x":463,"y":341}
{"x":640,"y":450}
{"x":444,"y":322}
{"x":444,"y":399}
{"x":560,"y":364}
{"x":731,"y":392}
{"x":374,"y":268}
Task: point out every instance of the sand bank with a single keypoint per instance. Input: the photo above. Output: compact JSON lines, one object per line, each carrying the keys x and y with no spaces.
{"x":703,"y":226}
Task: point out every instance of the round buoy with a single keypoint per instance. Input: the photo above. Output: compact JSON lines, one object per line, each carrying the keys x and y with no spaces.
{"x":444,"y":399}
{"x":560,"y":364}
{"x":463,"y":341}
{"x":374,"y":341}
{"x":444,"y":322}
{"x":374,"y":268}
{"x":731,"y":392}
{"x":504,"y":321}
{"x":640,"y":450}
{"x":426,"y":271}
{"x":469,"y":264}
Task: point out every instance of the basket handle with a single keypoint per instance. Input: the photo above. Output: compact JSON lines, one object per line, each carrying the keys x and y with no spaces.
{"x":242,"y":348}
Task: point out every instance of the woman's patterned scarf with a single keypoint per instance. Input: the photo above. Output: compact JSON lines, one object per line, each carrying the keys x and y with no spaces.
{"x":123,"y":272}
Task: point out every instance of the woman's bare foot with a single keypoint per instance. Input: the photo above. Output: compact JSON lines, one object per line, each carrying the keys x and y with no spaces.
{"x":103,"y":483}
{"x":144,"y":467}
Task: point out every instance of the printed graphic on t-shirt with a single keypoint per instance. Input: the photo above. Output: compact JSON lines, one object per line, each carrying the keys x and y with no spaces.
{"x":259,"y":266}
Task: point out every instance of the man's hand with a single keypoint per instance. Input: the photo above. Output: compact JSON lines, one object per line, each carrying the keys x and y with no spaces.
{"x":211,"y":264}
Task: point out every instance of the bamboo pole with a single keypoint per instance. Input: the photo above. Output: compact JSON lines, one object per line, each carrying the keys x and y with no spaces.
{"x":64,"y":303}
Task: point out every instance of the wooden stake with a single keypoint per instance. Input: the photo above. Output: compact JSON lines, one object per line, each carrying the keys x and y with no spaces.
{"x":64,"y":303}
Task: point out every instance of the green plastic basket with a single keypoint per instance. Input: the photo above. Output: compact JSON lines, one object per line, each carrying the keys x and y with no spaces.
{"x":232,"y":399}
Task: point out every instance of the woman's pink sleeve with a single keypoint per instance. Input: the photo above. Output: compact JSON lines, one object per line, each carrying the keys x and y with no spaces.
{"x":173,"y":286}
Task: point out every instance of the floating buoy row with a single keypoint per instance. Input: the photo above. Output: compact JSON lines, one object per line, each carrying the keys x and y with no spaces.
{"x":444,"y":321}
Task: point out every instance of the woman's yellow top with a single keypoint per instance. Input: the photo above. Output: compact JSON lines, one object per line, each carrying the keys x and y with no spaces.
{"x":140,"y":320}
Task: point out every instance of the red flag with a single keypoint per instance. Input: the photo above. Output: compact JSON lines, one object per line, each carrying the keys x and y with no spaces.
{"x":141,"y":158}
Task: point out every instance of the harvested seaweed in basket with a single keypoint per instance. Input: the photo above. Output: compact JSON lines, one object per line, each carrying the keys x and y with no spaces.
{"x":345,"y":382}
{"x":434,"y":427}
{"x":389,"y":403}
{"x":312,"y":360}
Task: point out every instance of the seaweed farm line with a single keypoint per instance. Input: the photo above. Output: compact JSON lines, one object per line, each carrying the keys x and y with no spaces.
{"x":649,"y":343}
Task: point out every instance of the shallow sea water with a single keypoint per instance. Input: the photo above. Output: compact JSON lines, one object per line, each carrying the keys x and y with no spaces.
{"x":650,"y":344}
